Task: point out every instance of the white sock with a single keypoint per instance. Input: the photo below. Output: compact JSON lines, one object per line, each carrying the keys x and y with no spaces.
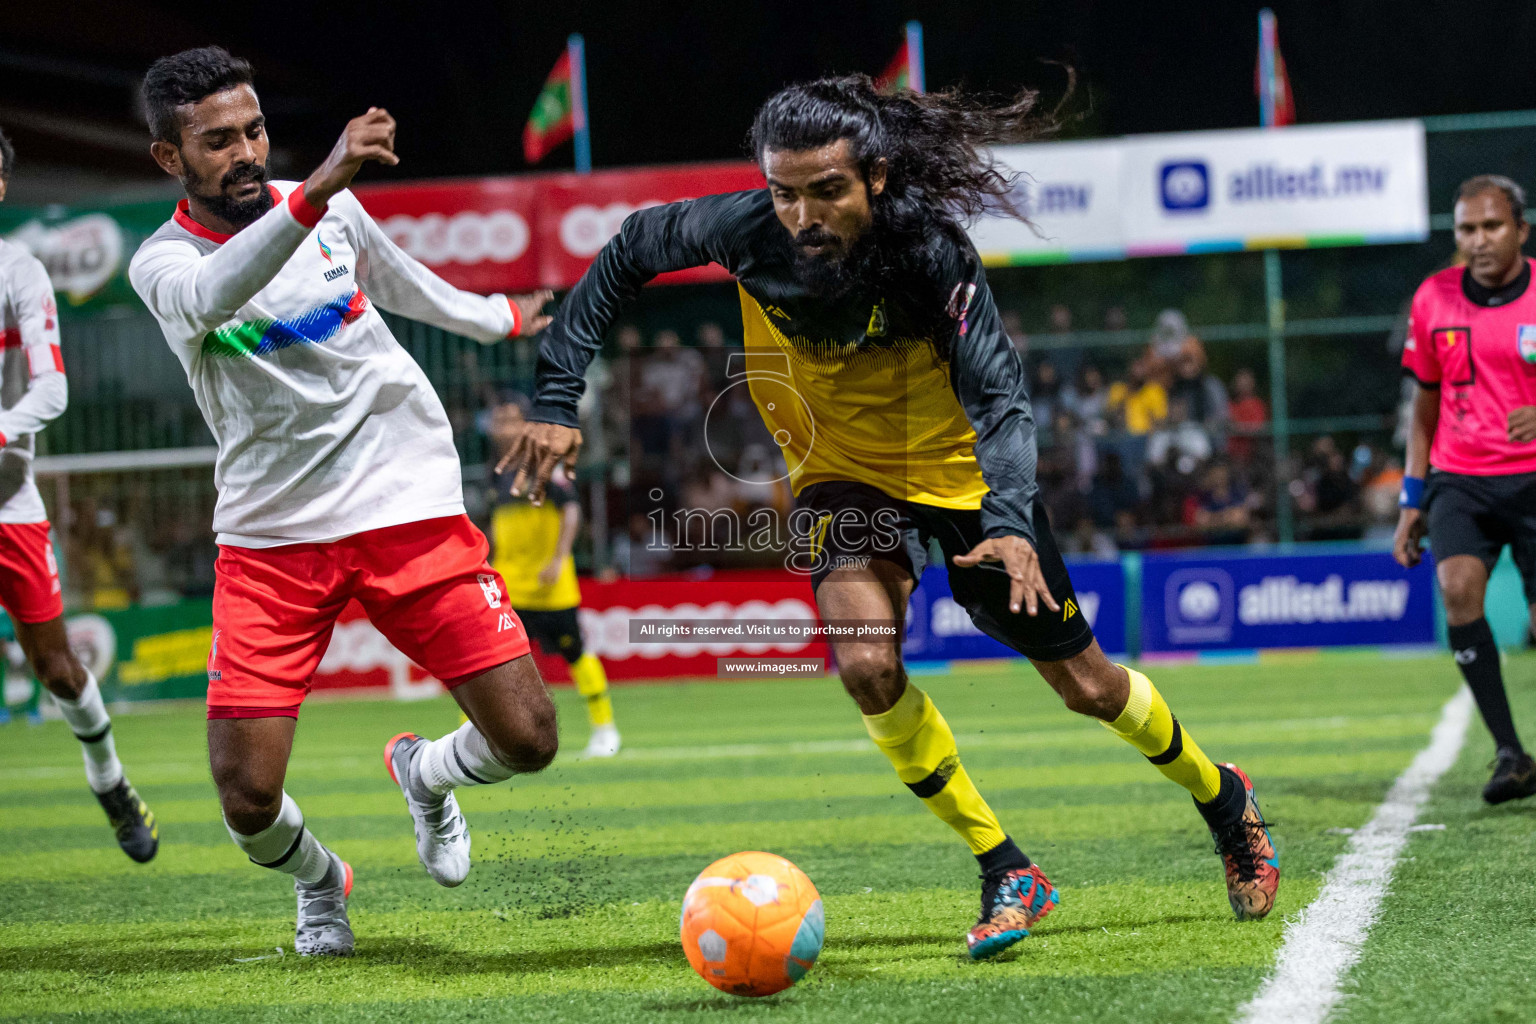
{"x":88,"y":720}
{"x":286,"y":846}
{"x":461,"y":758}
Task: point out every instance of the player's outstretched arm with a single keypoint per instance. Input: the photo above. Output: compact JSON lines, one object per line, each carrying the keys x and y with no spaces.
{"x":651,"y":242}
{"x":47,"y":393}
{"x":396,"y":281}
{"x":196,"y":293}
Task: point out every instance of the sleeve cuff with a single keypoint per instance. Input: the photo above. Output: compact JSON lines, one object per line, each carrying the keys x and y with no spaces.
{"x":517,"y":317}
{"x":554,"y":414}
{"x":305,"y":212}
{"x":4,"y":440}
{"x":1428,"y":385}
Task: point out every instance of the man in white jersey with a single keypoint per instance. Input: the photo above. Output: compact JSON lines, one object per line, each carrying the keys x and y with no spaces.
{"x":33,"y":392}
{"x":336,"y":472}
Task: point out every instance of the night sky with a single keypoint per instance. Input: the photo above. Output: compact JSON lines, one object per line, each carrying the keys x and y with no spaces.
{"x":680,"y":82}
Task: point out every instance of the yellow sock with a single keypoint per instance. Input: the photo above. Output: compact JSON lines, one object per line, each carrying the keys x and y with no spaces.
{"x":922,"y":749}
{"x":1148,"y":725}
{"x":592,"y":683}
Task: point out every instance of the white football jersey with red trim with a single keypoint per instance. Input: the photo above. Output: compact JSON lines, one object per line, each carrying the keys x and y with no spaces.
{"x":33,"y":390}
{"x":326,"y":426}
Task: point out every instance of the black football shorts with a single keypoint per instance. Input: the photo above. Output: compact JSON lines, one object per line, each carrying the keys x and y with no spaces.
{"x":852,"y":523}
{"x":1478,"y":515}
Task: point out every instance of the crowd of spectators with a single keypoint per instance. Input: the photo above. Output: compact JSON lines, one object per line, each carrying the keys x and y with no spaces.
{"x":1162,"y":452}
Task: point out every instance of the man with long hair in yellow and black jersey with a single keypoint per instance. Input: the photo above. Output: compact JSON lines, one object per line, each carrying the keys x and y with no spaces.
{"x":879,"y":362}
{"x":531,"y":548}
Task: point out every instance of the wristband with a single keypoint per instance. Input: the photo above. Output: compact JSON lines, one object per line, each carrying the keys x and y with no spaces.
{"x":4,"y":441}
{"x":1412,"y":492}
{"x":304,"y":211}
{"x":517,"y":318}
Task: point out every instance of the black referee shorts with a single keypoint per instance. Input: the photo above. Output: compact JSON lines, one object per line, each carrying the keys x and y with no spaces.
{"x":852,"y":523}
{"x":556,"y":632}
{"x":1478,"y":515}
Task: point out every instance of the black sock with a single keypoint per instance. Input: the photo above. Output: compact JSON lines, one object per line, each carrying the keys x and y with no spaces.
{"x":1231,"y":800}
{"x":1005,"y":856}
{"x":1478,"y":658}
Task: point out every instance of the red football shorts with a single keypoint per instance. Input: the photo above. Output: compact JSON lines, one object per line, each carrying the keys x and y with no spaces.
{"x":29,"y":574}
{"x":427,"y":587}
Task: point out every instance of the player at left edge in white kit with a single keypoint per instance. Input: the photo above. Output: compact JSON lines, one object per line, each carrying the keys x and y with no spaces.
{"x":33,"y":393}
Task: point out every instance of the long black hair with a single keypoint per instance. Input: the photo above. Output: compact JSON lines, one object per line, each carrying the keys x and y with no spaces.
{"x":939,"y":172}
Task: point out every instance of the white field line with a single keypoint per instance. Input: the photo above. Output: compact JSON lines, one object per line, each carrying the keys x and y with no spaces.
{"x":1325,"y":939}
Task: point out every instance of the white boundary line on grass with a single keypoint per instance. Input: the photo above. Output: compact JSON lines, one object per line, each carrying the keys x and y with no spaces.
{"x":1325,"y":939}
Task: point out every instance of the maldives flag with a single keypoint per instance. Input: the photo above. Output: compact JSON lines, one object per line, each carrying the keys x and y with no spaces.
{"x":905,"y":71}
{"x":1285,"y":102}
{"x":898,"y":73}
{"x":553,"y":118}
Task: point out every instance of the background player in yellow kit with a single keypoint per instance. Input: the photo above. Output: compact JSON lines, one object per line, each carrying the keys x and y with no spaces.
{"x":532,"y":551}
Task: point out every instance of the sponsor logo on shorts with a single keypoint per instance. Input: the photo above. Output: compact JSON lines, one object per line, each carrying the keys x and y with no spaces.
{"x":505,"y":622}
{"x":491,"y":588}
{"x":1068,"y":610}
{"x":214,"y":675}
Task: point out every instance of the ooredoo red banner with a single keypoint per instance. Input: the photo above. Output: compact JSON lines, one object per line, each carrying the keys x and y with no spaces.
{"x":359,"y":655}
{"x":515,"y":234}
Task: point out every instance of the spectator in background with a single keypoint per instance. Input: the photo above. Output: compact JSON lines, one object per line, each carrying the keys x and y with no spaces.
{"x":716,"y":353}
{"x":1115,"y":319}
{"x":1168,"y":335}
{"x":1201,"y":390}
{"x":1179,"y":443}
{"x":1088,"y":400}
{"x":1221,"y":507}
{"x":1013,"y":325}
{"x":1044,"y":397}
{"x":1247,"y":414}
{"x":1113,"y":491}
{"x":1141,"y":403}
{"x":1329,"y":492}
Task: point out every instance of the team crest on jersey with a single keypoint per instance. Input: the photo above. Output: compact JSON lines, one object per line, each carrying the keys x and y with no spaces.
{"x":877,"y":321}
{"x":1525,"y":338}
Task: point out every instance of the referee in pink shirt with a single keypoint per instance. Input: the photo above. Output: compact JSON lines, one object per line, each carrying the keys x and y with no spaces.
{"x":1471,"y":475}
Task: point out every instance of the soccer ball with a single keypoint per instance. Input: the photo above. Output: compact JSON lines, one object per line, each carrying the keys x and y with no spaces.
{"x":752,"y":924}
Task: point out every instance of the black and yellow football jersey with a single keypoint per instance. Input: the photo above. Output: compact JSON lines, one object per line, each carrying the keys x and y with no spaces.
{"x":917,"y":392}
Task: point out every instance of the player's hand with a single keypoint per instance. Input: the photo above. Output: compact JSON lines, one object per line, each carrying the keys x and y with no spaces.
{"x":550,"y":574}
{"x":1026,"y":583}
{"x":529,"y":307}
{"x":534,"y":452}
{"x":1522,"y":424}
{"x":1407,"y":542}
{"x":370,"y":137}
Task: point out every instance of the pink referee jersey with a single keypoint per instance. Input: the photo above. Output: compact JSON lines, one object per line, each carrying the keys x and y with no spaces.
{"x":1483,"y":360}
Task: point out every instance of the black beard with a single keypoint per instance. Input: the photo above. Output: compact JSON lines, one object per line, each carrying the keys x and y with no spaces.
{"x":239,"y":212}
{"x":837,"y":276}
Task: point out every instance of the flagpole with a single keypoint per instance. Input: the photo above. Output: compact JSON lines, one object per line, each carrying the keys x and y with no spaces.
{"x":915,"y":77}
{"x":576,"y":48}
{"x":1274,"y":301}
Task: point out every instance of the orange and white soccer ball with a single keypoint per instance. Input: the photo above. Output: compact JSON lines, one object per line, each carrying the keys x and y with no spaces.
{"x":752,"y":924}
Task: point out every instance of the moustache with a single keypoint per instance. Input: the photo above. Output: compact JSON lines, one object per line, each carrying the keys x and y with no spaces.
{"x":817,"y":237}
{"x":245,"y":173}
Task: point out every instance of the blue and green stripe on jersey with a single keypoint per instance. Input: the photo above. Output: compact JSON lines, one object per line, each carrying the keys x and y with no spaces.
{"x":252,"y":338}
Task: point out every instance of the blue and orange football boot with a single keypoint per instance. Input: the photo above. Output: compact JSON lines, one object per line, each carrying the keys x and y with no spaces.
{"x":1248,"y":854}
{"x":1011,"y":904}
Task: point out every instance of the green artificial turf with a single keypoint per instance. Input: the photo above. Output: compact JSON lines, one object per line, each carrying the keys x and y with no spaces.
{"x":570,"y":912}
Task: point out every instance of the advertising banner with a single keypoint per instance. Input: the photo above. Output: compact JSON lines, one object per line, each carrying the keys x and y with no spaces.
{"x":86,"y":251}
{"x":938,"y":629}
{"x":1220,"y":191}
{"x":579,"y":213}
{"x":1243,"y":602}
{"x":1335,"y":184}
{"x":1071,"y":192}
